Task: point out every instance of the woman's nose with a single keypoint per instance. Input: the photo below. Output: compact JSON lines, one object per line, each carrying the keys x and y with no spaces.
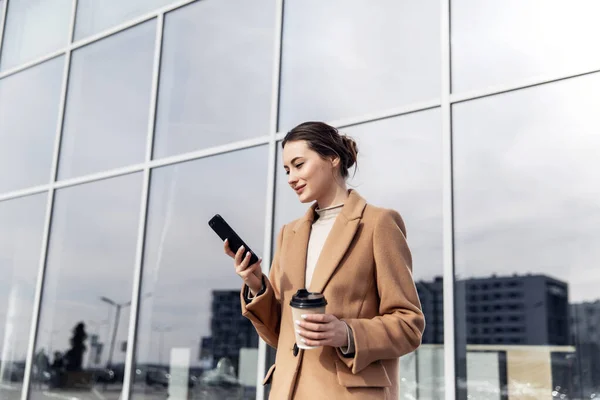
{"x":292,"y":179}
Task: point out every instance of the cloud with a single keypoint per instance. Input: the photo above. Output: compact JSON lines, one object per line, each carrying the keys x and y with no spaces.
{"x":525,"y":199}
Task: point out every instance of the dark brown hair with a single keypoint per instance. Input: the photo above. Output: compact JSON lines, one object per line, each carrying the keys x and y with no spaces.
{"x":327,"y":142}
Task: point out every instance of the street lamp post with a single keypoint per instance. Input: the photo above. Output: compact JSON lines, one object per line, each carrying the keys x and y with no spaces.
{"x":118,"y":307}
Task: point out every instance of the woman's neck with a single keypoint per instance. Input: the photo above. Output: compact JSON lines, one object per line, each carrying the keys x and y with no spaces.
{"x":334,"y":197}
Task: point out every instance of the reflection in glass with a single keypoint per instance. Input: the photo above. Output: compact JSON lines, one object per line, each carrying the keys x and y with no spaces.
{"x":87,"y":289}
{"x":192,"y":336}
{"x":29,"y":103}
{"x":34,"y":28}
{"x":95,"y":16}
{"x":21,"y":231}
{"x":345,"y":58}
{"x":108,"y":102}
{"x":498,"y":43}
{"x":399,"y":167}
{"x":215,"y":84}
{"x":527,"y":219}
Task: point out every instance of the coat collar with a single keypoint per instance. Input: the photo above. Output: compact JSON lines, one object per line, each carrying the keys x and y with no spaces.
{"x":337,"y":243}
{"x":353,"y":209}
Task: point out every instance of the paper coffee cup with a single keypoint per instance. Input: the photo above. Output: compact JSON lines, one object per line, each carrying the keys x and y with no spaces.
{"x":304,"y":303}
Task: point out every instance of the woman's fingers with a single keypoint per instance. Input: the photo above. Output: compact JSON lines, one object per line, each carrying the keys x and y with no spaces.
{"x":245,"y":273}
{"x":310,"y":326}
{"x":327,"y":334}
{"x":239,"y":256}
{"x":227,"y":249}
{"x":251,"y":274}
{"x":322,"y":330}
{"x":243,"y":265}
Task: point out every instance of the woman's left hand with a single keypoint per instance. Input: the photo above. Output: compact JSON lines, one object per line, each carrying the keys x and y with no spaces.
{"x":322,"y":330}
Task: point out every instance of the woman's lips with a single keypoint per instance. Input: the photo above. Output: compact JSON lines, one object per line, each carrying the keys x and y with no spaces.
{"x":300,"y":189}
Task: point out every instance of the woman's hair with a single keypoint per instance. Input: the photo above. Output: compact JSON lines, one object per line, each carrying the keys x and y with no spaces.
{"x":326,"y":141}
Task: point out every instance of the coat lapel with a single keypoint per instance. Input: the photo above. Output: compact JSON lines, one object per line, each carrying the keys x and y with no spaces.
{"x":337,"y":243}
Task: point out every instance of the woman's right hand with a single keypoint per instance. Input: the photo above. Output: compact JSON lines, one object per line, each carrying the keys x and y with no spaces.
{"x":251,"y":275}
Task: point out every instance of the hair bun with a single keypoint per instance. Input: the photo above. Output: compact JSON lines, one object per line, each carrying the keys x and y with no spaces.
{"x":351,"y":150}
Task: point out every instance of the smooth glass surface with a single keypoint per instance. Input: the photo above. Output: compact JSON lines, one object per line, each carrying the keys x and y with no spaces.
{"x":193,"y":341}
{"x":95,"y":16}
{"x":216,"y":75}
{"x":527,"y":218}
{"x":400,"y":167}
{"x":87,"y":289}
{"x":33,"y":29}
{"x":509,"y":42}
{"x":21,"y":232}
{"x":108,"y":103}
{"x":348,"y":58}
{"x":29,"y":103}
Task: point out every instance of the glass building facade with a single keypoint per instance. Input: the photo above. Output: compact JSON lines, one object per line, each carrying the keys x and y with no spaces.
{"x":126,"y":124}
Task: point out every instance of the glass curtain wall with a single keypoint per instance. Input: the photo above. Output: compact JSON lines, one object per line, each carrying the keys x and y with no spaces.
{"x":124,"y":126}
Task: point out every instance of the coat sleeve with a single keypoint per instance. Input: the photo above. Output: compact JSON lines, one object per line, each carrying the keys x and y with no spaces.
{"x":399,"y":327}
{"x":264,"y":311}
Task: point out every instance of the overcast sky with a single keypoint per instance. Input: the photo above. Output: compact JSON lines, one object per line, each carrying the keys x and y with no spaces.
{"x":526,"y":191}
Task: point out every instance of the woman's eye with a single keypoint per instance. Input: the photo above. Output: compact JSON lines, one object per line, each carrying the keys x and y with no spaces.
{"x":299,"y":165}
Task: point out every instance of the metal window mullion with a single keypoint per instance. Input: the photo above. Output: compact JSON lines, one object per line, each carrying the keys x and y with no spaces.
{"x":392,"y":113}
{"x":24,"y":192}
{"x":3,"y":24}
{"x":112,"y":173}
{"x":37,"y":305}
{"x":447,"y":206}
{"x":143,"y":218}
{"x":388,"y":113}
{"x":524,"y":84}
{"x":271,"y":177}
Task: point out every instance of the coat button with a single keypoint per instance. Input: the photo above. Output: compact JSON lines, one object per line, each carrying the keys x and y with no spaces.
{"x":295,"y":350}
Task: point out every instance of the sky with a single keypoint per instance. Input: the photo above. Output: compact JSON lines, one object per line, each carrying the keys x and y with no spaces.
{"x":526,"y":197}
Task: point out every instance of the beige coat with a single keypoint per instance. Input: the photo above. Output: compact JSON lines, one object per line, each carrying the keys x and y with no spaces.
{"x":365,"y":273}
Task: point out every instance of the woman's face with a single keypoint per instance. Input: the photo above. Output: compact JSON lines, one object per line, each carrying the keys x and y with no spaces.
{"x":309,"y":175}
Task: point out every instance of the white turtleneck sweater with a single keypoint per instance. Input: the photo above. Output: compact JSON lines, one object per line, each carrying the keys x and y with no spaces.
{"x":318,"y":235}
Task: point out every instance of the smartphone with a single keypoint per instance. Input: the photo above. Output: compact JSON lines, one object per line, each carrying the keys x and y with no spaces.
{"x":222,"y":228}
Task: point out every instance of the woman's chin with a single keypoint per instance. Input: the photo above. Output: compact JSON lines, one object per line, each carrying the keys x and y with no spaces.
{"x":305,"y":198}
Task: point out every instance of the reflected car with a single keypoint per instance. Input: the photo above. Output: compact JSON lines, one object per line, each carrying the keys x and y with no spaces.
{"x":157,"y":376}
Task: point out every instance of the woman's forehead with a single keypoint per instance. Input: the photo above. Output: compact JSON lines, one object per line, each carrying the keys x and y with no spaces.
{"x":293,"y":150}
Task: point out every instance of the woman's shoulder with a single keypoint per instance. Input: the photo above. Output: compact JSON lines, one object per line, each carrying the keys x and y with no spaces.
{"x":381,"y":216}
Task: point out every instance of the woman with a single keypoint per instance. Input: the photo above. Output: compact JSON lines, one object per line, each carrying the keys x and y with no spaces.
{"x":356,"y":255}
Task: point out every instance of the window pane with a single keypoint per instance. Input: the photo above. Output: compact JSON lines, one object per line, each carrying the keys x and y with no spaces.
{"x":21,"y":231}
{"x":527,"y":218}
{"x":87,"y":289}
{"x":192,"y":323}
{"x":348,"y":58}
{"x":34,"y":28}
{"x":216,"y":75}
{"x":400,"y":167}
{"x":95,"y":16}
{"x":29,"y":103}
{"x":106,"y":120}
{"x":499,"y":43}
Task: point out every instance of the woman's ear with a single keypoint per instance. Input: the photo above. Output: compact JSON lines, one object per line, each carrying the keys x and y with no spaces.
{"x":335,"y":161}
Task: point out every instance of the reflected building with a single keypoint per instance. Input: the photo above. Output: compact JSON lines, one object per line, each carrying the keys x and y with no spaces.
{"x":231,"y":331}
{"x":431,"y":295}
{"x":512,"y":310}
{"x":585,"y":335}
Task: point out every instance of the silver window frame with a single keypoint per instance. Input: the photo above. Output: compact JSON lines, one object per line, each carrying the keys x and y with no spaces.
{"x":445,"y":102}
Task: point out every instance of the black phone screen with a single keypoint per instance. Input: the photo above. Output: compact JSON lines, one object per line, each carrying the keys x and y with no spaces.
{"x":222,"y":228}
